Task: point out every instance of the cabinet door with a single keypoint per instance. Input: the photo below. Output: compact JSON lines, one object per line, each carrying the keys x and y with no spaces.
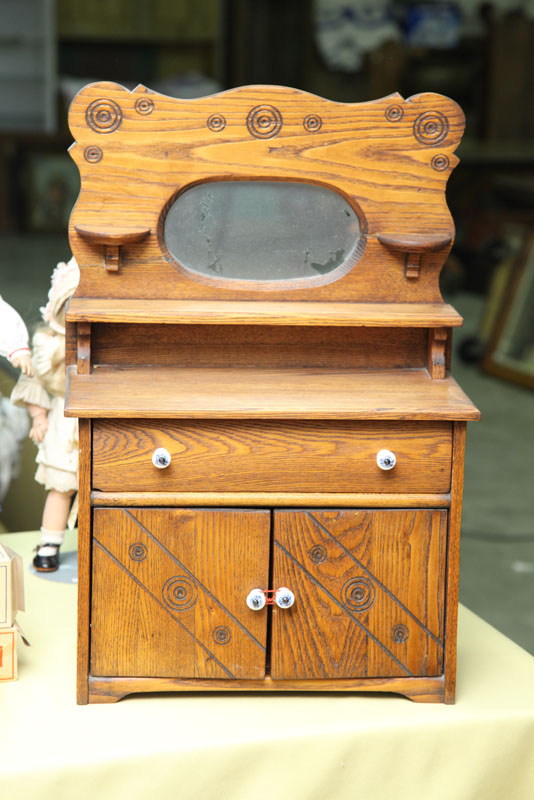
{"x":169,"y":591}
{"x":369,"y":588}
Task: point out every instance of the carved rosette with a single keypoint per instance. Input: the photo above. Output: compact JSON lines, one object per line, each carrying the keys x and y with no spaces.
{"x":313,"y":123}
{"x":440,"y":162}
{"x":179,"y":593}
{"x":399,"y":633}
{"x":394,"y":113}
{"x":221,"y":634}
{"x":431,"y":128}
{"x":264,"y":122}
{"x":137,"y":551}
{"x":216,"y":123}
{"x":318,"y":554}
{"x":144,"y":105}
{"x":93,"y":154}
{"x":104,"y":116}
{"x":358,"y":594}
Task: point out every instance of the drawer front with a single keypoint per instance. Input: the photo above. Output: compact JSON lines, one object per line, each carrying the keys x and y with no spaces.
{"x":271,"y":456}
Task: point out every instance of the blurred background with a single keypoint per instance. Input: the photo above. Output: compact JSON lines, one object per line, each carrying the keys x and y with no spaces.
{"x":478,"y":53}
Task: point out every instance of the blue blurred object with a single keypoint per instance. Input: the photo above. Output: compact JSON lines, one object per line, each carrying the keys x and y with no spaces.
{"x":434,"y":26}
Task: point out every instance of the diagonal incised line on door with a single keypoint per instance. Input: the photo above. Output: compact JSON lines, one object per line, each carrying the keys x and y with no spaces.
{"x":343,"y":608}
{"x":374,"y":578}
{"x":194,"y":577}
{"x":164,"y":607}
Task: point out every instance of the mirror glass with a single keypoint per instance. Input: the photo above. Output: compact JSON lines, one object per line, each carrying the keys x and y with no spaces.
{"x":261,"y":230}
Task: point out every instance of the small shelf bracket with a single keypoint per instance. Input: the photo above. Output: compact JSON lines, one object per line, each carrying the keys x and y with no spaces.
{"x":111,"y":239}
{"x":414,"y":246}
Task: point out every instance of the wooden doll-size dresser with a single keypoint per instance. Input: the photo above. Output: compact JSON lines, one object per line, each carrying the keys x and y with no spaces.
{"x":271,"y":444}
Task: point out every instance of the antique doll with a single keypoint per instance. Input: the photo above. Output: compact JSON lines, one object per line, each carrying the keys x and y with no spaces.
{"x":56,"y":437}
{"x":14,"y":339}
{"x":13,"y":421}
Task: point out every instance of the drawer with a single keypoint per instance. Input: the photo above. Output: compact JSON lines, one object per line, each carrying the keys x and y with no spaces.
{"x":271,"y":456}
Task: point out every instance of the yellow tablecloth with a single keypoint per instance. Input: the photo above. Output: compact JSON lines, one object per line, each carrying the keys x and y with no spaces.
{"x":248,"y":746}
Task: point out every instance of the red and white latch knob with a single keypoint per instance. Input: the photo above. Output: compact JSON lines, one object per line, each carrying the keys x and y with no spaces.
{"x":259,"y":598}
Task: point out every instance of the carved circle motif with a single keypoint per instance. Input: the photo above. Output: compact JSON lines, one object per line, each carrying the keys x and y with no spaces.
{"x":318,"y":554}
{"x":216,"y":123}
{"x":394,"y":113}
{"x":137,"y":551}
{"x":431,"y":128}
{"x":358,"y":594}
{"x":313,"y":123}
{"x":92,"y":154}
{"x":222,"y":635}
{"x":264,"y":122}
{"x":399,"y":633}
{"x":104,"y":116}
{"x":144,"y":105}
{"x":440,"y":162}
{"x":179,"y":593}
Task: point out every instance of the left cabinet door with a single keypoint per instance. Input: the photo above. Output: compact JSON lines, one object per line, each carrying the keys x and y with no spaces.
{"x":169,"y":590}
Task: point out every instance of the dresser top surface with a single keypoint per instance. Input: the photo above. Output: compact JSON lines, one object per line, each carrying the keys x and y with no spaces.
{"x":215,"y":393}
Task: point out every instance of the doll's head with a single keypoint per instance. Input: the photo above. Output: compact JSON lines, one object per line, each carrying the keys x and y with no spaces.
{"x":64,"y":281}
{"x":48,"y":345}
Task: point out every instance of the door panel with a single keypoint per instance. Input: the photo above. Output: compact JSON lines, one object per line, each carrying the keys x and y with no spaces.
{"x":369,"y":591}
{"x":169,"y":589}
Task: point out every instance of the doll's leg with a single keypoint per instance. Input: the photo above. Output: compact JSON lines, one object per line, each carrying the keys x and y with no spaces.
{"x":55,"y":516}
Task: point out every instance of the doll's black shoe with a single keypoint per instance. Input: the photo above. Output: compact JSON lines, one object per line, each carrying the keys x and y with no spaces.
{"x":46,"y":558}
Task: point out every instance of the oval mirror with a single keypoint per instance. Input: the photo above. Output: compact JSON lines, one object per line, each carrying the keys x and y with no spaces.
{"x":261,"y":230}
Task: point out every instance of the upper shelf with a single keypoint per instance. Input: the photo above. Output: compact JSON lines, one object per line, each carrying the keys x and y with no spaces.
{"x":193,"y":312}
{"x":252,"y":393}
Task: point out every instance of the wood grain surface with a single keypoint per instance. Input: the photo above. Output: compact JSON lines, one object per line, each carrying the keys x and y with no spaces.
{"x":273,"y":456}
{"x":84,"y":561}
{"x":271,"y":499}
{"x":169,"y":593}
{"x":369,"y":588}
{"x":419,"y":690}
{"x":123,"y":344}
{"x":204,"y":393}
{"x":234,"y":312}
{"x":453,"y":561}
{"x":390,"y":159}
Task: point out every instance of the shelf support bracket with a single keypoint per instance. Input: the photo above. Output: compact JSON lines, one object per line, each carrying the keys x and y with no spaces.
{"x":111,"y":239}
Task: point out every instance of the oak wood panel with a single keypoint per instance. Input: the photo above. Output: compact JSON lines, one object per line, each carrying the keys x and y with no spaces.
{"x":106,"y":234}
{"x":84,"y":560}
{"x":419,"y":690}
{"x":389,"y":158}
{"x":162,"y":605}
{"x":216,"y":312}
{"x":193,"y":393}
{"x":258,"y":346}
{"x":304,"y":456}
{"x":453,"y":561}
{"x":83,"y":355}
{"x":369,"y":588}
{"x":271,"y":499}
{"x":415,"y":243}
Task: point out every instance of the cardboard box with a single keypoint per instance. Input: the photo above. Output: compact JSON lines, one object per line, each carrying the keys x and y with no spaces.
{"x":11,"y":586}
{"x":8,"y":654}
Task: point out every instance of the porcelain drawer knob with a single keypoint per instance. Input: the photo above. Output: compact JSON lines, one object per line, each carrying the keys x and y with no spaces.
{"x":386,"y":459}
{"x":256,"y":599}
{"x":161,"y":458}
{"x":284,"y":598}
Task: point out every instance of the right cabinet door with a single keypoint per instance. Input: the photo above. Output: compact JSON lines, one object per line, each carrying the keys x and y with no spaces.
{"x":369,"y":588}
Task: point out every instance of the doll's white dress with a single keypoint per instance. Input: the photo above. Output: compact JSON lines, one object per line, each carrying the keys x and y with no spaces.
{"x":57,"y":454}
